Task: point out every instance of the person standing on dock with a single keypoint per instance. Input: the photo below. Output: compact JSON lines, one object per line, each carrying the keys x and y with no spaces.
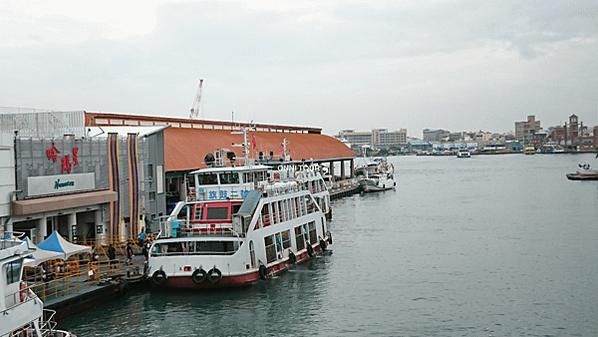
{"x":111,"y":255}
{"x":141,"y":237}
{"x":128,"y":253}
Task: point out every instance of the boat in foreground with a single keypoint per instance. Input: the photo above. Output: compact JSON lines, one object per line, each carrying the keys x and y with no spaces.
{"x":233,"y":243}
{"x":22,"y":311}
{"x":583,"y":173}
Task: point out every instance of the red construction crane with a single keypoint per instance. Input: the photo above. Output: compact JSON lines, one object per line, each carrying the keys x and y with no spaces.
{"x":196,"y":104}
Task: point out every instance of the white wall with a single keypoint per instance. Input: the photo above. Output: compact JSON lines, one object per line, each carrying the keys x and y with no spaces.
{"x":7,"y":172}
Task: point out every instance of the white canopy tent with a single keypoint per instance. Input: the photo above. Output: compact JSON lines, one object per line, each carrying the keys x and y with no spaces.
{"x":39,"y":255}
{"x":57,"y":243}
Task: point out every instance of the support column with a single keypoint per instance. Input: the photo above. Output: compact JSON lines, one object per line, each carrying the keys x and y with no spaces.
{"x":352,"y":168}
{"x":41,"y":230}
{"x":331,"y":164}
{"x":343,"y":177}
{"x":72,"y":225}
{"x":101,"y":228}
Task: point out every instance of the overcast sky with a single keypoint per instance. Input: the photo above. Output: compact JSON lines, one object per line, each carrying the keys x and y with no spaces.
{"x":455,"y":65}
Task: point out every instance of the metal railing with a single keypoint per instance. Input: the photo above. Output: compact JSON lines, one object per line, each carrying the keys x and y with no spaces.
{"x":73,"y":276}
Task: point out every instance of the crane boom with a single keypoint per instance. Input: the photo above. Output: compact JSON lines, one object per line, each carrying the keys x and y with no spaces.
{"x":196,"y":104}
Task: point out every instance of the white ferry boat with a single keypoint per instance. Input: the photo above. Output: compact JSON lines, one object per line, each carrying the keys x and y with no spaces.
{"x":22,"y":312}
{"x":221,"y":182}
{"x":237,"y":242}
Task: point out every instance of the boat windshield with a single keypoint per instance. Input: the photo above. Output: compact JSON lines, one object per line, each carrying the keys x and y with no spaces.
{"x":212,"y":247}
{"x":207,"y":179}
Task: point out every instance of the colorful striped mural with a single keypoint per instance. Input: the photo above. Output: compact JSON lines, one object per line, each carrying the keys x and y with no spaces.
{"x":115,"y":207}
{"x":135,"y":228}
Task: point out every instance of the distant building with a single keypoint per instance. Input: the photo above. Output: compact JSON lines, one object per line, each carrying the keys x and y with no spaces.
{"x":435,"y":135}
{"x":524,"y":131}
{"x":387,"y":139}
{"x":575,"y":136}
{"x":377,"y":138}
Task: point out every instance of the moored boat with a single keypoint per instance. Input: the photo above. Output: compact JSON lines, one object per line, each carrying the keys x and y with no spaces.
{"x":583,"y":173}
{"x":381,"y":179}
{"x":234,"y":243}
{"x":22,"y":312}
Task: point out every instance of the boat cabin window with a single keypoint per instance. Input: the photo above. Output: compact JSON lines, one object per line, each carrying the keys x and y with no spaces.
{"x":182,"y":215}
{"x":270,"y":248}
{"x":13,"y":271}
{"x":229,"y":178}
{"x":197,"y":248}
{"x":286,"y":239}
{"x":313,"y":235}
{"x":299,"y":237}
{"x":207,"y":179}
{"x":217,"y":213}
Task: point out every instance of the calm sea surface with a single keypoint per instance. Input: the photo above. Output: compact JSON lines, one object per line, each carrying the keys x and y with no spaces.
{"x":486,"y":246}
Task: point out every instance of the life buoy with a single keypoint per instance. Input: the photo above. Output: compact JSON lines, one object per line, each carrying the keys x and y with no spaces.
{"x":159,"y":277}
{"x":211,"y":275}
{"x":263,"y":272}
{"x":21,"y":332}
{"x":292,"y":258}
{"x":323,"y":244}
{"x":199,"y":276}
{"x":329,"y":235}
{"x":310,"y":250}
{"x":24,"y":292}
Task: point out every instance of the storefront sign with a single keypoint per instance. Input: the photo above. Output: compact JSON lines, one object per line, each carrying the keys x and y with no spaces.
{"x":60,"y":183}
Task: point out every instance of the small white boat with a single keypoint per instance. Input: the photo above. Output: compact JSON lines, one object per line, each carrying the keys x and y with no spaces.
{"x":463,"y":153}
{"x":22,"y":313}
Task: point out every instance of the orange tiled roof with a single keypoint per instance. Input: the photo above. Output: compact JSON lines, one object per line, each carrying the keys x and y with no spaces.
{"x":185,"y":149}
{"x":187,"y":141}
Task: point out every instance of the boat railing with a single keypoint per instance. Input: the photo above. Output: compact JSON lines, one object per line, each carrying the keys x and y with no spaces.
{"x":16,"y":298}
{"x":184,"y":228}
{"x":48,"y":324}
{"x":12,"y":239}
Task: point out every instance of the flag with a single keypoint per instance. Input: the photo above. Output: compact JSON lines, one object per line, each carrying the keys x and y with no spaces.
{"x":253,"y":141}
{"x":281,"y":147}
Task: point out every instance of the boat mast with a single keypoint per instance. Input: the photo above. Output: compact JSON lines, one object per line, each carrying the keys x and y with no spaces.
{"x":245,"y":144}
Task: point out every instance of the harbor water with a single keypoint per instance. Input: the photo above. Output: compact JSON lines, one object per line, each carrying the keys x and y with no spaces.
{"x":499,"y":245}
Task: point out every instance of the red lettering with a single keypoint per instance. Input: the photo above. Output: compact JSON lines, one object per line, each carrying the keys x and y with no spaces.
{"x":75,"y":156}
{"x":66,"y":163}
{"x":52,"y":153}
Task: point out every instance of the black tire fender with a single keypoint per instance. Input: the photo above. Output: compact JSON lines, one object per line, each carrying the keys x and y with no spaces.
{"x":292,"y":258}
{"x":263,"y":272}
{"x":218,"y":274}
{"x":310,"y":250}
{"x":329,"y":235}
{"x":199,"y":276}
{"x":323,"y":245}
{"x":159,"y":277}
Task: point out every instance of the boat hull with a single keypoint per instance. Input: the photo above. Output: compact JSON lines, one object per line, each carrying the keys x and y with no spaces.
{"x":231,"y":281}
{"x":579,"y":176}
{"x":371,"y":185}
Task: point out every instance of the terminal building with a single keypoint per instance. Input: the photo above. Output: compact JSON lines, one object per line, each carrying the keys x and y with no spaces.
{"x":105,"y":177}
